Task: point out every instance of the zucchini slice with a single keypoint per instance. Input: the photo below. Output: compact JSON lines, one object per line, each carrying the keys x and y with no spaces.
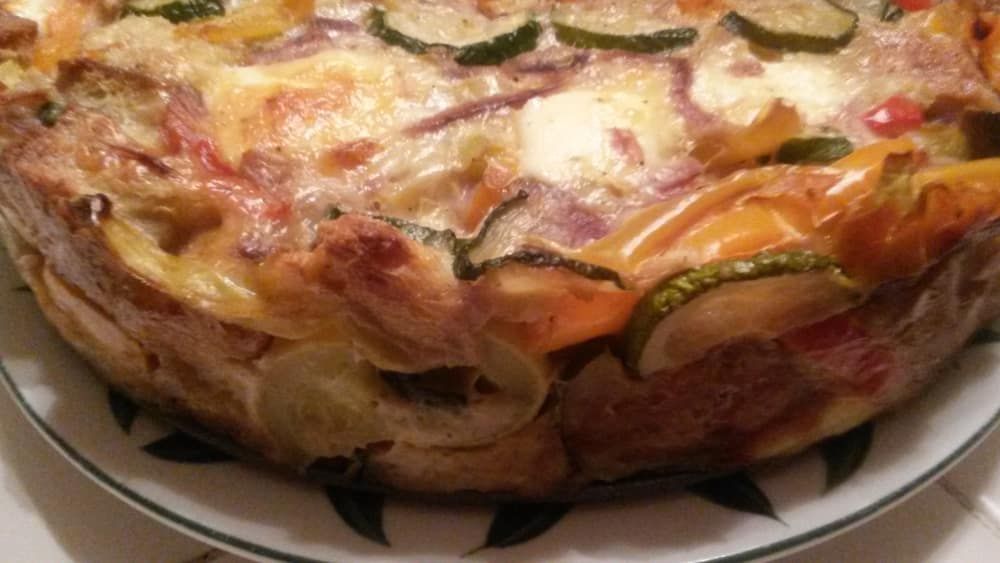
{"x":882,"y":10}
{"x":444,"y":239}
{"x":814,"y":150}
{"x":655,"y":42}
{"x":500,"y":48}
{"x":465,"y":268}
{"x":178,"y":11}
{"x":506,"y":393}
{"x":890,"y":12}
{"x":686,"y":315}
{"x":473,"y":42}
{"x":812,"y":26}
{"x":461,"y":249}
{"x":625,"y":26}
{"x":316,"y":398}
{"x":379,"y":27}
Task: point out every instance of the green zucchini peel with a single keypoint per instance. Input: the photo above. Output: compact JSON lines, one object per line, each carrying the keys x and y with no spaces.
{"x":500,"y":48}
{"x":676,"y":291}
{"x":656,"y":42}
{"x":378,"y":27}
{"x":891,"y":12}
{"x":179,"y":11}
{"x":814,"y":150}
{"x":489,"y":52}
{"x":461,"y":248}
{"x":796,"y":40}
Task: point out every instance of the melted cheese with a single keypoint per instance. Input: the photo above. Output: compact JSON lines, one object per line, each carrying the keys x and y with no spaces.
{"x":570,"y":135}
{"x":308,"y":105}
{"x":604,"y":133}
{"x":618,"y":18}
{"x":35,"y":10}
{"x":814,"y":86}
{"x":153,"y":46}
{"x":11,"y":74}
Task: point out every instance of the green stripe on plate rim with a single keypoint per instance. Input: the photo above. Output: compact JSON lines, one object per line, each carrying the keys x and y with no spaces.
{"x":216,"y":537}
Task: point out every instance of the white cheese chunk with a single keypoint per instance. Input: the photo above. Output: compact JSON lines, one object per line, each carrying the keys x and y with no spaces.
{"x":313,"y":103}
{"x":35,"y":10}
{"x":571,"y":135}
{"x":816,"y":89}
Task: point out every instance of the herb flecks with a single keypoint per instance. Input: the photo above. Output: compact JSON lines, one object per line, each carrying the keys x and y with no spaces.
{"x":123,"y":409}
{"x":845,"y":454}
{"x":737,"y":492}
{"x":514,"y":524}
{"x":179,"y":11}
{"x":361,"y":511}
{"x":180,"y":447}
{"x":50,"y":112}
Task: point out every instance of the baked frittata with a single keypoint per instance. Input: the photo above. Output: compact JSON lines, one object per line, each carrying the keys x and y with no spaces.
{"x":507,"y":246}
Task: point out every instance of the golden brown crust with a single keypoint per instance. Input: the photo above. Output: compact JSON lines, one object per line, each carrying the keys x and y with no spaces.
{"x":213,"y":395}
{"x":62,"y":221}
{"x":393,"y":287}
{"x":194,"y":364}
{"x":532,"y":462}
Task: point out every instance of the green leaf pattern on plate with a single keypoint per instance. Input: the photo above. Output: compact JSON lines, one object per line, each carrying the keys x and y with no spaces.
{"x":183,"y":448}
{"x":361,"y":511}
{"x":844,"y":454}
{"x":514,"y":524}
{"x":985,"y":335}
{"x":123,"y":409}
{"x":738,"y":492}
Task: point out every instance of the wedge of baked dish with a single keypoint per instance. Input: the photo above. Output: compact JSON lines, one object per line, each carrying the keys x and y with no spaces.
{"x":507,"y":246}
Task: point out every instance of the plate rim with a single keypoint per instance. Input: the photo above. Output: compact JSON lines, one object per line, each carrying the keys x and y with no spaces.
{"x":226,"y":540}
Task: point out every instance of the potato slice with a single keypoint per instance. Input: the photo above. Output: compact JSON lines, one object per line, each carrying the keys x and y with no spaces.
{"x":518,"y":384}
{"x":318,"y":398}
{"x":321,"y":399}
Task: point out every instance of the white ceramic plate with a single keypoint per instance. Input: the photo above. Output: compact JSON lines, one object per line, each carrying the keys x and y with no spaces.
{"x":267,"y":517}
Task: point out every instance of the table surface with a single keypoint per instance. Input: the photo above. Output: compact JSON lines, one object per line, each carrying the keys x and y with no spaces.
{"x":51,"y":512}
